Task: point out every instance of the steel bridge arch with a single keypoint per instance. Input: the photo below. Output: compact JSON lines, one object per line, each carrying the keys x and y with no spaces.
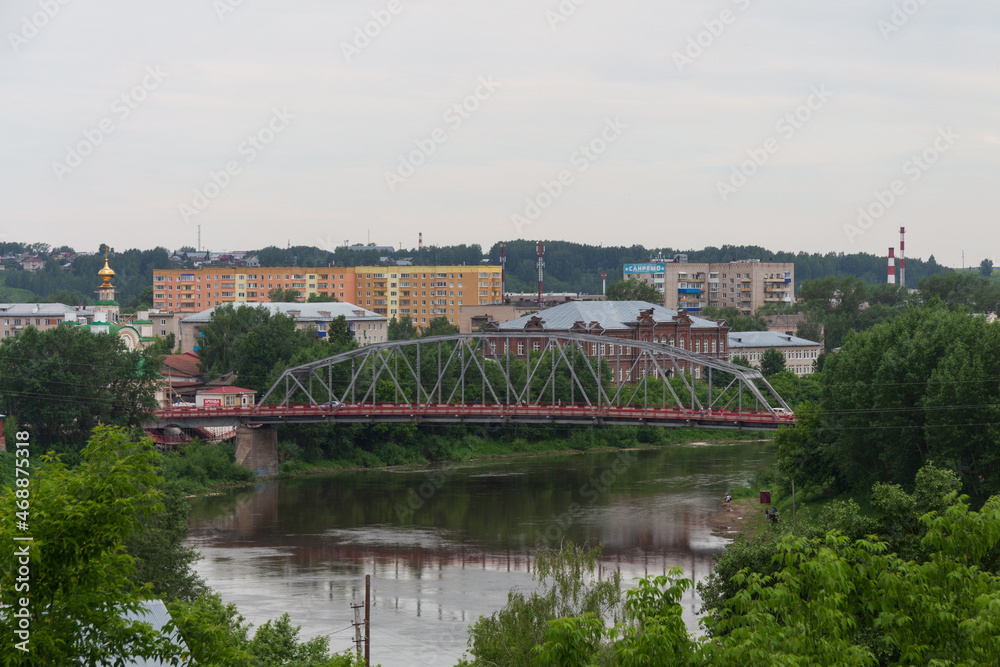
{"x":569,"y":351}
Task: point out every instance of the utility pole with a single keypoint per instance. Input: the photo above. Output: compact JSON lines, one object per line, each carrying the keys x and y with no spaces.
{"x":359,"y":640}
{"x":368,"y":627}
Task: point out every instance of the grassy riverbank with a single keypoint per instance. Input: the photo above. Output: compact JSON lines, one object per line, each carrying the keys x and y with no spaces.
{"x":198,"y":468}
{"x":472,"y":446}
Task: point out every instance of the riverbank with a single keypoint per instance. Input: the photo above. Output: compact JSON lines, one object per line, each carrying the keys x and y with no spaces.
{"x":743,"y":519}
{"x":471,"y":450}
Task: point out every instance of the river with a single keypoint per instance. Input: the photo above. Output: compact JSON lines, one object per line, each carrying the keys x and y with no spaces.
{"x":445,"y":546}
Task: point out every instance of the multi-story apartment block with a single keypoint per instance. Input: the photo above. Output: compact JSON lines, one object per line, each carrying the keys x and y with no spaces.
{"x":420,"y":293}
{"x":423,"y":293}
{"x":742,"y":284}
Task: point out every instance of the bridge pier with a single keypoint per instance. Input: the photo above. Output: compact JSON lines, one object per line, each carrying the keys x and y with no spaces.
{"x":257,"y":449}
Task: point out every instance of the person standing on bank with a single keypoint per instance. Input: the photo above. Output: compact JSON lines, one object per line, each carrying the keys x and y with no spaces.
{"x":729,"y":501}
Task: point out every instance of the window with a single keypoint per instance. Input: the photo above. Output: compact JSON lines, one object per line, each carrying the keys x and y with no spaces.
{"x":520,"y":347}
{"x":537,"y":345}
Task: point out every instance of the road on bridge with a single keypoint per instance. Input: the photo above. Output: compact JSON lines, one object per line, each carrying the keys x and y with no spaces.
{"x":470,"y":413}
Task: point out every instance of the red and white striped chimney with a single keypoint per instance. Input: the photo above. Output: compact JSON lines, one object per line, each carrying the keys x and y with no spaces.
{"x":902,"y":257}
{"x":892,"y":267}
{"x":420,"y":241}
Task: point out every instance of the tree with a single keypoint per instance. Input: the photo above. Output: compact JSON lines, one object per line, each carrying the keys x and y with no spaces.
{"x":250,"y":341}
{"x":402,"y":329}
{"x":567,"y":588}
{"x":633,"y":289}
{"x":64,"y":381}
{"x":735,"y":320}
{"x":929,"y":378}
{"x":319,"y":297}
{"x":279,"y":295}
{"x":217,"y":634}
{"x":439,"y":326}
{"x":810,"y":328}
{"x":159,"y":554}
{"x":81,"y":584}
{"x":772,"y":361}
{"x":986,"y":268}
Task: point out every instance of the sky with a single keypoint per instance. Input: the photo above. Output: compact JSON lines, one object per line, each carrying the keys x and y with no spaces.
{"x":813,"y":126}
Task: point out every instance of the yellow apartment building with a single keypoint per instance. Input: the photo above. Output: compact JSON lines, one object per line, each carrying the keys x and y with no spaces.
{"x":421,"y":293}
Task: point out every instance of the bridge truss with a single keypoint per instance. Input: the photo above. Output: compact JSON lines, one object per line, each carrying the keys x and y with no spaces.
{"x":505,"y":371}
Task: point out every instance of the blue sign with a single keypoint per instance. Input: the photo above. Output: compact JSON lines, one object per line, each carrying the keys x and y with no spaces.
{"x":645,"y":268}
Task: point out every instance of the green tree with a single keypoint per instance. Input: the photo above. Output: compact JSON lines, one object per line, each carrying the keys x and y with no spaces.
{"x":986,"y":268}
{"x":252,"y":341}
{"x":733,"y":317}
{"x":319,"y":297}
{"x":402,"y":329}
{"x":279,"y":295}
{"x":157,"y":548}
{"x":567,"y":588}
{"x":218,"y":636}
{"x":81,"y":583}
{"x":772,"y":361}
{"x":439,"y":326}
{"x":927,"y":377}
{"x":633,"y":289}
{"x":64,"y":381}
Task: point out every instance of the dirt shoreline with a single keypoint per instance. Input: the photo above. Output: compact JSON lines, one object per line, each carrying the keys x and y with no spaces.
{"x":744,"y":519}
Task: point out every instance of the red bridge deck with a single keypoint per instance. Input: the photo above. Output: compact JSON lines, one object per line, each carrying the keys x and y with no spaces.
{"x":472,"y":413}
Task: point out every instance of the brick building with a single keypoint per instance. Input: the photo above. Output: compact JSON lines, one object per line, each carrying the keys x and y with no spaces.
{"x":620,"y":322}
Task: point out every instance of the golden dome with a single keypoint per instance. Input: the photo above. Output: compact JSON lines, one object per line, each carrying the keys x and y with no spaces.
{"x":107,"y":273}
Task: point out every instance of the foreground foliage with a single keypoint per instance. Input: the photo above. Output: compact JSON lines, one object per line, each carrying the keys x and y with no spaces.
{"x":108,"y":536}
{"x":826,"y":598}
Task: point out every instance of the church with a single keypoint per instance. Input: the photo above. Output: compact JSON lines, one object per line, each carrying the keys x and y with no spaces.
{"x":106,"y":317}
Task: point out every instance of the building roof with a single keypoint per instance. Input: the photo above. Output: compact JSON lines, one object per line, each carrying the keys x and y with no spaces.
{"x":41,"y":310}
{"x":182,"y":364}
{"x":228,"y":390}
{"x":608,"y":314}
{"x":303,"y":312}
{"x":766,"y":339}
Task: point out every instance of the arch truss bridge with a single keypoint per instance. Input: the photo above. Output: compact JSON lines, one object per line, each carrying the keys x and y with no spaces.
{"x":520,"y":377}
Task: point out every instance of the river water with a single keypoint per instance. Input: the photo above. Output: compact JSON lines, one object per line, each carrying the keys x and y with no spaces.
{"x":445,"y":546}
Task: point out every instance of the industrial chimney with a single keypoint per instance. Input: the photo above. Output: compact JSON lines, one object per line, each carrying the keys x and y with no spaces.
{"x":891,"y":278}
{"x":420,"y":241}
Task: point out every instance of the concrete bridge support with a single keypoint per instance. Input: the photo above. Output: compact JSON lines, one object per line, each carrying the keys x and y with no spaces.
{"x":257,"y":449}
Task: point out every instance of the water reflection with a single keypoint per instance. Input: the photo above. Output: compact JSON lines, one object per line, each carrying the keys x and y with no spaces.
{"x":446,"y":546}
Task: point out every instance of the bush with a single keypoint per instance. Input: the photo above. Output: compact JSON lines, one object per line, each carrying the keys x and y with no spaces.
{"x":198,"y":465}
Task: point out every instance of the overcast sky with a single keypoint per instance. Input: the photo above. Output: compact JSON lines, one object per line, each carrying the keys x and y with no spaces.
{"x":317,"y":133}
